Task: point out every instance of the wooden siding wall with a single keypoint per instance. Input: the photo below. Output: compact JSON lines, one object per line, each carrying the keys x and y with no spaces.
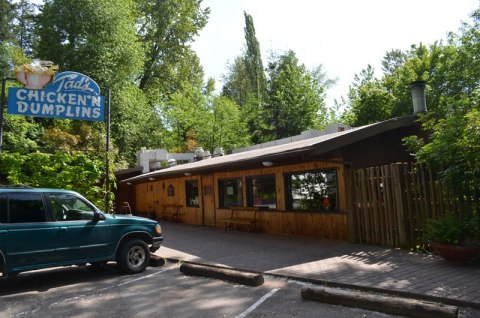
{"x":329,"y":225}
{"x":382,"y":149}
{"x":152,"y":196}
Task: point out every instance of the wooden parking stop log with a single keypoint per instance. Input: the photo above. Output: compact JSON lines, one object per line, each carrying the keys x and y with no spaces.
{"x":223,"y":273}
{"x":383,"y":303}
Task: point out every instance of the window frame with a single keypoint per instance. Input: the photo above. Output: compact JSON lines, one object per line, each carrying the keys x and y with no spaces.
{"x":250,"y":195}
{"x":79,"y":215}
{"x":287,"y":178}
{"x":221,"y":192}
{"x":4,"y":214}
{"x":188,"y":192}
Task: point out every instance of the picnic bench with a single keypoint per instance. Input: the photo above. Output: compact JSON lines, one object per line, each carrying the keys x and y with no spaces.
{"x":242,"y":220}
{"x":171,"y":211}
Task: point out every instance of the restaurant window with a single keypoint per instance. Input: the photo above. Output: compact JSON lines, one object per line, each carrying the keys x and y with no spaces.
{"x":230,"y":192}
{"x":312,"y":190}
{"x":191,"y":189}
{"x":261,"y":192}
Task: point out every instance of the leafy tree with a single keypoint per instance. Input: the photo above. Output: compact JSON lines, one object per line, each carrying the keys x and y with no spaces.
{"x":165,"y":29}
{"x":295,"y":97}
{"x":225,"y":128}
{"x":370,"y":101}
{"x":21,"y":134}
{"x":97,"y":39}
{"x":393,"y":60}
{"x":453,"y":145}
{"x":236,"y":87}
{"x":134,"y":123}
{"x":94,"y":37}
{"x":60,"y":170}
{"x":115,"y":42}
{"x":235,"y":81}
{"x":172,"y":75}
{"x":10,"y":55}
{"x":184,"y":115}
{"x":452,"y":150}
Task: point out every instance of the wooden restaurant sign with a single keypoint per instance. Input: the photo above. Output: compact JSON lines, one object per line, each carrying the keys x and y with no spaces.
{"x":67,"y":95}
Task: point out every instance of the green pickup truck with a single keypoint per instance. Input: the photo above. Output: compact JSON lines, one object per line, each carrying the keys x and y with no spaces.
{"x":42,"y":228}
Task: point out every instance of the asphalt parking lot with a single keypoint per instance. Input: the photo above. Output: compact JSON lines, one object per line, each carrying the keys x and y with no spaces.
{"x":158,"y":292}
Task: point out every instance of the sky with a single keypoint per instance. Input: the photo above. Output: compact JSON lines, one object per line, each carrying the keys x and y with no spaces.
{"x":343,"y":36}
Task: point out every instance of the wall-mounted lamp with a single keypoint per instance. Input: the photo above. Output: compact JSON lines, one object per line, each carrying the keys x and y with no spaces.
{"x":267,"y":163}
{"x":151,"y":178}
{"x":418,"y":97}
{"x":129,"y":183}
{"x":187,"y":174}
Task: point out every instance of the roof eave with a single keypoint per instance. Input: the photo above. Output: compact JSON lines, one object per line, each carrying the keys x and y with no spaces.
{"x":311,"y":150}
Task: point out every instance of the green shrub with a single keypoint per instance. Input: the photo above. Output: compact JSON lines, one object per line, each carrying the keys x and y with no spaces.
{"x":454,"y":229}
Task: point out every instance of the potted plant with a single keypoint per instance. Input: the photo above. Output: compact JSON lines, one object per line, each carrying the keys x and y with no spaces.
{"x":455,"y":238}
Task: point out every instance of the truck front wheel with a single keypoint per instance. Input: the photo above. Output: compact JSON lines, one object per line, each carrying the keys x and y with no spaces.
{"x":133,"y":256}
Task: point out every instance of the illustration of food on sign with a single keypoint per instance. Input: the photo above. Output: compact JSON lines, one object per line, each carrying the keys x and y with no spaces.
{"x":35,"y":75}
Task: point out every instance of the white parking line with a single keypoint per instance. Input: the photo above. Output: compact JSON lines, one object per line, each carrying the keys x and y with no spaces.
{"x":258,"y":303}
{"x":143,"y":277}
{"x":92,"y":292}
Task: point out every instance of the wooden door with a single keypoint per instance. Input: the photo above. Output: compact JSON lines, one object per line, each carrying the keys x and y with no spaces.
{"x":208,"y":191}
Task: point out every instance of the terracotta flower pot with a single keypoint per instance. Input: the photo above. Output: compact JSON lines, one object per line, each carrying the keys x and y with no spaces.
{"x":455,"y":253}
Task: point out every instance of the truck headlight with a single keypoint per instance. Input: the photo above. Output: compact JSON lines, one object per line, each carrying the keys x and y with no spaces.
{"x":158,"y":229}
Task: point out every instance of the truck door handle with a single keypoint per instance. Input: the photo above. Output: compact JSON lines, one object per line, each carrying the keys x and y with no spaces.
{"x":3,"y":232}
{"x":63,"y":228}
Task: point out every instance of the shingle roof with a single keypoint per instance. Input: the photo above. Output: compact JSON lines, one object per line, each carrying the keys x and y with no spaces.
{"x":321,"y":144}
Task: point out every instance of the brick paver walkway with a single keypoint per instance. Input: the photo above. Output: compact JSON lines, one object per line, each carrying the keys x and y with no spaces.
{"x":323,"y":261}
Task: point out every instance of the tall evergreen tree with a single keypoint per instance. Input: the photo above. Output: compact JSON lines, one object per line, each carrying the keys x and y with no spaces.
{"x":253,"y":61}
{"x":24,"y":27}
{"x":7,"y":14}
{"x":246,"y":83}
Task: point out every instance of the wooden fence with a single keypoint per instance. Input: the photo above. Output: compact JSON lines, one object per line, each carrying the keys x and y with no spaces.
{"x":393,"y":202}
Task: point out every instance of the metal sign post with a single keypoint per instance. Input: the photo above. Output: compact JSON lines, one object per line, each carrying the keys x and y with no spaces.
{"x":107,"y":156}
{"x":2,"y":108}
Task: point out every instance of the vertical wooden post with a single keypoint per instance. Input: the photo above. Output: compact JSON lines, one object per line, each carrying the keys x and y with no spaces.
{"x":397,"y":184}
{"x":107,"y":156}
{"x":351,"y":215}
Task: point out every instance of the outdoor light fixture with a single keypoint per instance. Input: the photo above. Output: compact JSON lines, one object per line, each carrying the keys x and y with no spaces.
{"x":418,"y":97}
{"x":267,"y":163}
{"x":187,"y":174}
{"x":151,"y":179}
{"x":129,"y":183}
